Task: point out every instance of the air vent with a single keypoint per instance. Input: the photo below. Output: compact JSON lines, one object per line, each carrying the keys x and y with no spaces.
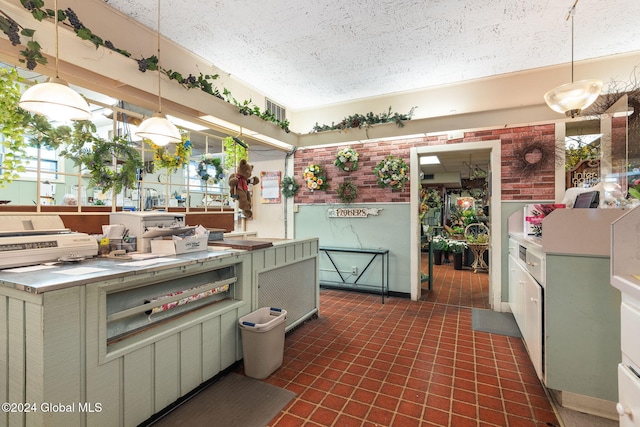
{"x":277,"y":110}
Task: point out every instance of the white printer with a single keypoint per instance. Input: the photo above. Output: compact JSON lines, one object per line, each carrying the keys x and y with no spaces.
{"x":30,"y":240}
{"x":148,"y":225}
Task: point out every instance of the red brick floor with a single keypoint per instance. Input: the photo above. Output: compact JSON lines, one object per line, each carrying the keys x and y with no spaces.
{"x":405,"y":363}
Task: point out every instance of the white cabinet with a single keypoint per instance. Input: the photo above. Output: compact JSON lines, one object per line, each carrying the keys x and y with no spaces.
{"x":625,"y":276}
{"x":525,"y":300}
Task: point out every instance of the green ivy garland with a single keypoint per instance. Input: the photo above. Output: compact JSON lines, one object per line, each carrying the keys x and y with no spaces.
{"x":347,"y":192}
{"x":358,"y":121}
{"x":289,"y":187}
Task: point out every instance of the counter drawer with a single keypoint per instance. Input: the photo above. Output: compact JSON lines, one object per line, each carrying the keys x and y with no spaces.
{"x":629,"y":321}
{"x":629,"y":400}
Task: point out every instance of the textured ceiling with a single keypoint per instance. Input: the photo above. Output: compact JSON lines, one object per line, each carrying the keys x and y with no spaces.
{"x":306,"y":54}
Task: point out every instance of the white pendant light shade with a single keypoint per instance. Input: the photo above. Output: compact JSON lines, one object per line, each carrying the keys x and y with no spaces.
{"x":159,"y":130}
{"x":55,"y":100}
{"x":572,"y":98}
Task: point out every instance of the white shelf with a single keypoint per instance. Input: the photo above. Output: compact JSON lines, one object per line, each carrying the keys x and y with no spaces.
{"x":625,"y":253}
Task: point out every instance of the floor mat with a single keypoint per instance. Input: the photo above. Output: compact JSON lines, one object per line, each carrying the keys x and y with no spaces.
{"x":233,"y":401}
{"x":494,"y":322}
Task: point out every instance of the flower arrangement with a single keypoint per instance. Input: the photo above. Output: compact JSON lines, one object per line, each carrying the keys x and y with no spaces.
{"x":536,"y":213}
{"x":439,"y":243}
{"x":208,"y":159}
{"x":289,"y":187}
{"x":347,"y":192}
{"x":162,"y":158}
{"x":314,"y":176}
{"x":392,"y":172}
{"x":346,"y":159}
{"x":456,"y":246}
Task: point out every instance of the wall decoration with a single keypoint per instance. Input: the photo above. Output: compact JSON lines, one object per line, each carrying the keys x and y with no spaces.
{"x":270,"y":187}
{"x":289,"y":187}
{"x":392,"y":172}
{"x":347,"y":159}
{"x":162,"y":158}
{"x":209,"y":159}
{"x":315,"y":178}
{"x":353,"y":212}
{"x":531,"y":158}
{"x":347,"y":192}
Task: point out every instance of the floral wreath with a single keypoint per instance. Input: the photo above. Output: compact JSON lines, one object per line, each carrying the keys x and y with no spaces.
{"x":344,"y":156}
{"x":289,"y":186}
{"x":347,"y":192}
{"x":314,"y":176}
{"x":208,"y":159}
{"x":392,"y":172}
{"x":162,"y":158}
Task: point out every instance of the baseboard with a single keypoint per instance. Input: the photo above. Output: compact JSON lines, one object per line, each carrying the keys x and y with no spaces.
{"x":587,"y":404}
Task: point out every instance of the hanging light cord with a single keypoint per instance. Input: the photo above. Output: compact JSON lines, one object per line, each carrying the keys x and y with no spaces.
{"x":572,"y":12}
{"x":55,"y":21}
{"x":158,"y":66}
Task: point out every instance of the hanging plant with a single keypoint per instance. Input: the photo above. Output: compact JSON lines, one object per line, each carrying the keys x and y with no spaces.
{"x":208,"y":159}
{"x":314,"y":176}
{"x":233,"y":152}
{"x":14,"y":122}
{"x":347,"y":191}
{"x":392,"y":172}
{"x":346,"y":159}
{"x":97,"y":155}
{"x":162,"y":158}
{"x":289,"y":187}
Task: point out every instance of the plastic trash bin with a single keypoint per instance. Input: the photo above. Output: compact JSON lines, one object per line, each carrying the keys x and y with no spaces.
{"x":262,"y":341}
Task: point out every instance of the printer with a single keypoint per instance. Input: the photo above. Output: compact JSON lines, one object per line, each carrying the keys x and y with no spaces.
{"x":30,"y":240}
{"x":148,"y":225}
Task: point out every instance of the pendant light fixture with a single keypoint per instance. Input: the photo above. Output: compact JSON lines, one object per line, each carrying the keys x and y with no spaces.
{"x":572,"y":98}
{"x":158,"y":128}
{"x":54,"y":98}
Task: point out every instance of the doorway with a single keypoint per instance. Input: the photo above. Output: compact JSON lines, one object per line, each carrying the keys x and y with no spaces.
{"x":460,"y":153}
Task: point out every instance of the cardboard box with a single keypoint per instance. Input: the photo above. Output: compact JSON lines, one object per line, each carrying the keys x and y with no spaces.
{"x":183,"y":246}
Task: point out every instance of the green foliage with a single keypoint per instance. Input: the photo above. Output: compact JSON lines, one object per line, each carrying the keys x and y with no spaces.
{"x":13,"y":121}
{"x":233,"y":153}
{"x":97,"y":154}
{"x":439,"y":243}
{"x":359,"y":121}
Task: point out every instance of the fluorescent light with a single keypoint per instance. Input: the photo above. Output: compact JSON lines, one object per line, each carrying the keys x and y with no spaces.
{"x":221,"y":123}
{"x":429,"y":160}
{"x":185,"y":124}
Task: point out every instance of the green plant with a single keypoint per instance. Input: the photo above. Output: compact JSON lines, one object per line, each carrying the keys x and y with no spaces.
{"x":634,"y":191}
{"x":359,"y":121}
{"x":233,"y":152}
{"x":457,"y":246}
{"x":439,"y":243}
{"x":347,"y":191}
{"x":14,"y":123}
{"x":480,"y":239}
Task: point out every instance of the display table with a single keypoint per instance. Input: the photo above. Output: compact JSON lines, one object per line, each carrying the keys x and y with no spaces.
{"x":478,"y":250}
{"x":375,"y":253}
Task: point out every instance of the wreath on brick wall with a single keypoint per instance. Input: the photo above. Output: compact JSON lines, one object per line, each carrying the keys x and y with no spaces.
{"x":531,"y":158}
{"x":347,"y":192}
{"x":289,"y":187}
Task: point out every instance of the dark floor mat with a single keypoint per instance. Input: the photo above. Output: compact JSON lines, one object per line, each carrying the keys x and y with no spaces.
{"x":495,"y":322}
{"x":233,"y":401}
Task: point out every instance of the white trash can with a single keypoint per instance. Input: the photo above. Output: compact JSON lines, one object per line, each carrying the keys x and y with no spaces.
{"x":262,"y":341}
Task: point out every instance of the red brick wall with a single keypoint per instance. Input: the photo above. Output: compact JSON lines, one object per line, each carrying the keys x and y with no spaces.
{"x":514,"y":185}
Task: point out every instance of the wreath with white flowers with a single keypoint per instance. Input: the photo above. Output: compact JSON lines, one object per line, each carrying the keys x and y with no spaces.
{"x":162,"y":158}
{"x":347,"y":191}
{"x":314,"y":176}
{"x":346,"y":159}
{"x":392,"y":172}
{"x":208,"y":159}
{"x":289,"y":187}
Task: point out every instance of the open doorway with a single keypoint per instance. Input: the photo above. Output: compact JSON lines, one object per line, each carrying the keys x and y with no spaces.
{"x":458,"y":159}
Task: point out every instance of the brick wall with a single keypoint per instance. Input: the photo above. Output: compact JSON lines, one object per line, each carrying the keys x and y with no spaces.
{"x":515,"y":186}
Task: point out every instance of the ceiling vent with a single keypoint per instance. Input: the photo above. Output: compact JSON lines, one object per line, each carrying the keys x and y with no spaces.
{"x":277,"y":110}
{"x":443,"y":179}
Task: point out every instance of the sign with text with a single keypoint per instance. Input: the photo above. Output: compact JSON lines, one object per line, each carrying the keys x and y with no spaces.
{"x":353,"y":212}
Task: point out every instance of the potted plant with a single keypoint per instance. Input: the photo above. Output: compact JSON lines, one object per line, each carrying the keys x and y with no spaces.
{"x":457,"y":247}
{"x":439,"y":245}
